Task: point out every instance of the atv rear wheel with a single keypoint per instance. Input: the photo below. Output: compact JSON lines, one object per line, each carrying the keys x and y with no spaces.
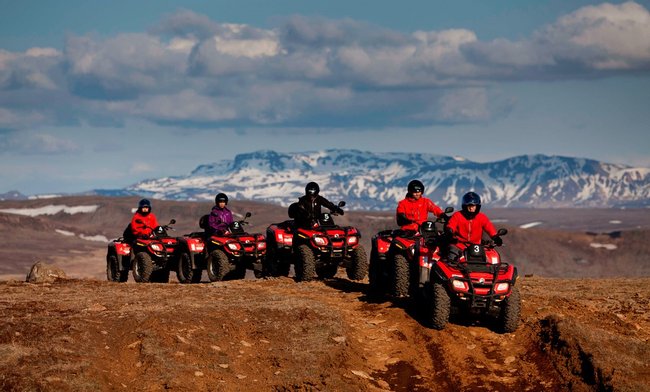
{"x":510,"y":311}
{"x":358,"y":268}
{"x":305,"y":264}
{"x":142,"y":268}
{"x":400,"y":276}
{"x":274,"y":264}
{"x":184,"y":272}
{"x":113,"y":272}
{"x":376,"y":284}
{"x":218,"y":266}
{"x":438,"y":307}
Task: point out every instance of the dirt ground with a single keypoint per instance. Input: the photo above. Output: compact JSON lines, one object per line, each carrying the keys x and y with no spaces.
{"x":279,"y":335}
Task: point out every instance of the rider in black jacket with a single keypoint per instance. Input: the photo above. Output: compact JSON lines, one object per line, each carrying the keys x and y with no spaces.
{"x":308,"y":208}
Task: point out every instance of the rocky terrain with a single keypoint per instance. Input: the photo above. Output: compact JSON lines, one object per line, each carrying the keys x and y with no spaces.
{"x":278,"y":335}
{"x":585,"y":324}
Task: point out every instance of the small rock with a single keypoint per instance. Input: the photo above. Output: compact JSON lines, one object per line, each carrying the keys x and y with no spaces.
{"x":362,"y":374}
{"x":104,"y":332}
{"x":383,"y":384}
{"x":245,"y":343}
{"x":95,"y":308}
{"x":44,"y":273}
{"x":134,"y":344}
{"x":198,"y":374}
{"x":392,"y":361}
{"x":509,"y":359}
{"x":339,"y":339}
{"x":181,"y":339}
{"x":241,"y":376}
{"x":375,"y":322}
{"x":224,"y":365}
{"x":471,"y":346}
{"x":264,"y":341}
{"x":215,"y":348}
{"x":179,"y":354}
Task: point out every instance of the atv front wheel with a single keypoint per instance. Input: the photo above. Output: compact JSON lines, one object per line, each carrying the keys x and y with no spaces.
{"x":305,"y":263}
{"x":218,"y":266}
{"x":400,"y":276}
{"x":438,"y":307}
{"x":113,"y":272}
{"x":142,"y":268}
{"x":358,"y":268}
{"x":510,"y":311}
{"x":376,"y":284}
{"x":185,"y":273}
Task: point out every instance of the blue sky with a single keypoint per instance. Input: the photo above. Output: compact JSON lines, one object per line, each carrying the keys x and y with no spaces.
{"x":97,"y":94}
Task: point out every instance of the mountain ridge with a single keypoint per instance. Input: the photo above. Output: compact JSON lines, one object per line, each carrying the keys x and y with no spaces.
{"x":376,"y":181}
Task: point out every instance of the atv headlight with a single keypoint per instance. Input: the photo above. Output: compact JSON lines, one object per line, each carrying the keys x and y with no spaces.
{"x":353,"y":240}
{"x":320,"y":241}
{"x":501,"y":288}
{"x":233,"y":246}
{"x":157,"y":247}
{"x":459,"y":285}
{"x":261,"y":245}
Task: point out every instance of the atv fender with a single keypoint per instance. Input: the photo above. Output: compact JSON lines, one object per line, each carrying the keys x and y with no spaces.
{"x":436,"y":275}
{"x":124,"y":262}
{"x":185,"y":248}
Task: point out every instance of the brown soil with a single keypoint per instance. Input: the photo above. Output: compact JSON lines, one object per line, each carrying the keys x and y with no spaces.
{"x":279,"y":335}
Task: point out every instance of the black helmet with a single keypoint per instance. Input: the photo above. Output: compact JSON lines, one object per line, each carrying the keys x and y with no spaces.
{"x":144,"y":203}
{"x":415,"y":186}
{"x":471,"y":199}
{"x":220,"y":197}
{"x":312,"y":189}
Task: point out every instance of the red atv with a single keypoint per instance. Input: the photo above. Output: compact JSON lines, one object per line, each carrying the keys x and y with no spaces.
{"x":228,"y":255}
{"x":153,"y":257}
{"x":279,"y":248}
{"x":401,"y":259}
{"x":191,"y":259}
{"x":118,"y":260}
{"x":319,"y":250}
{"x":477,"y":283}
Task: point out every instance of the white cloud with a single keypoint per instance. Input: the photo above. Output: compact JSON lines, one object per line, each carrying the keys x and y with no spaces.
{"x":308,"y":71}
{"x":39,"y":143}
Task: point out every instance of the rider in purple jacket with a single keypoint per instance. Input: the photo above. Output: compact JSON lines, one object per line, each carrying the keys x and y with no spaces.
{"x":220,"y":216}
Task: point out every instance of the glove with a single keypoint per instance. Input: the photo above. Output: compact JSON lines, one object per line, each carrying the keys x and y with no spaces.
{"x":497,"y":240}
{"x":340,"y":211}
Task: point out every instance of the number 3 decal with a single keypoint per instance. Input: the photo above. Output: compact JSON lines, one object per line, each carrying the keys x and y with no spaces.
{"x":476,"y":248}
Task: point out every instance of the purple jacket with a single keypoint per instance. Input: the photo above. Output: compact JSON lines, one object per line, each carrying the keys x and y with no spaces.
{"x":219,"y":219}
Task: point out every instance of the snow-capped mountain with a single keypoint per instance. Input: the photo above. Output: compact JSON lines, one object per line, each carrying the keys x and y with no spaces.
{"x":376,"y":181}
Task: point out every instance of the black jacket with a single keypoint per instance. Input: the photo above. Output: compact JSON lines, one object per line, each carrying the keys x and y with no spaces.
{"x":308,"y":211}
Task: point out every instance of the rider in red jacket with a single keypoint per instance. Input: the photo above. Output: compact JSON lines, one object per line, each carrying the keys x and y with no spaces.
{"x":143,"y":221}
{"x":467,"y":226}
{"x":414,"y":208}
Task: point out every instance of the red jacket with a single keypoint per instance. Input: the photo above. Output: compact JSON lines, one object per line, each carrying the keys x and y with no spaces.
{"x":144,"y":229}
{"x":417,"y":211}
{"x":470,"y":230}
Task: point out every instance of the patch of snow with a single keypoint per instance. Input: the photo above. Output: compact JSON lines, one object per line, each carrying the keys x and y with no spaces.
{"x":529,"y":225}
{"x":606,"y":246}
{"x":38,"y":197}
{"x":50,"y":210}
{"x":97,"y":238}
{"x":615,"y":222}
{"x":376,"y":218}
{"x":499,"y":220}
{"x":64,"y":232}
